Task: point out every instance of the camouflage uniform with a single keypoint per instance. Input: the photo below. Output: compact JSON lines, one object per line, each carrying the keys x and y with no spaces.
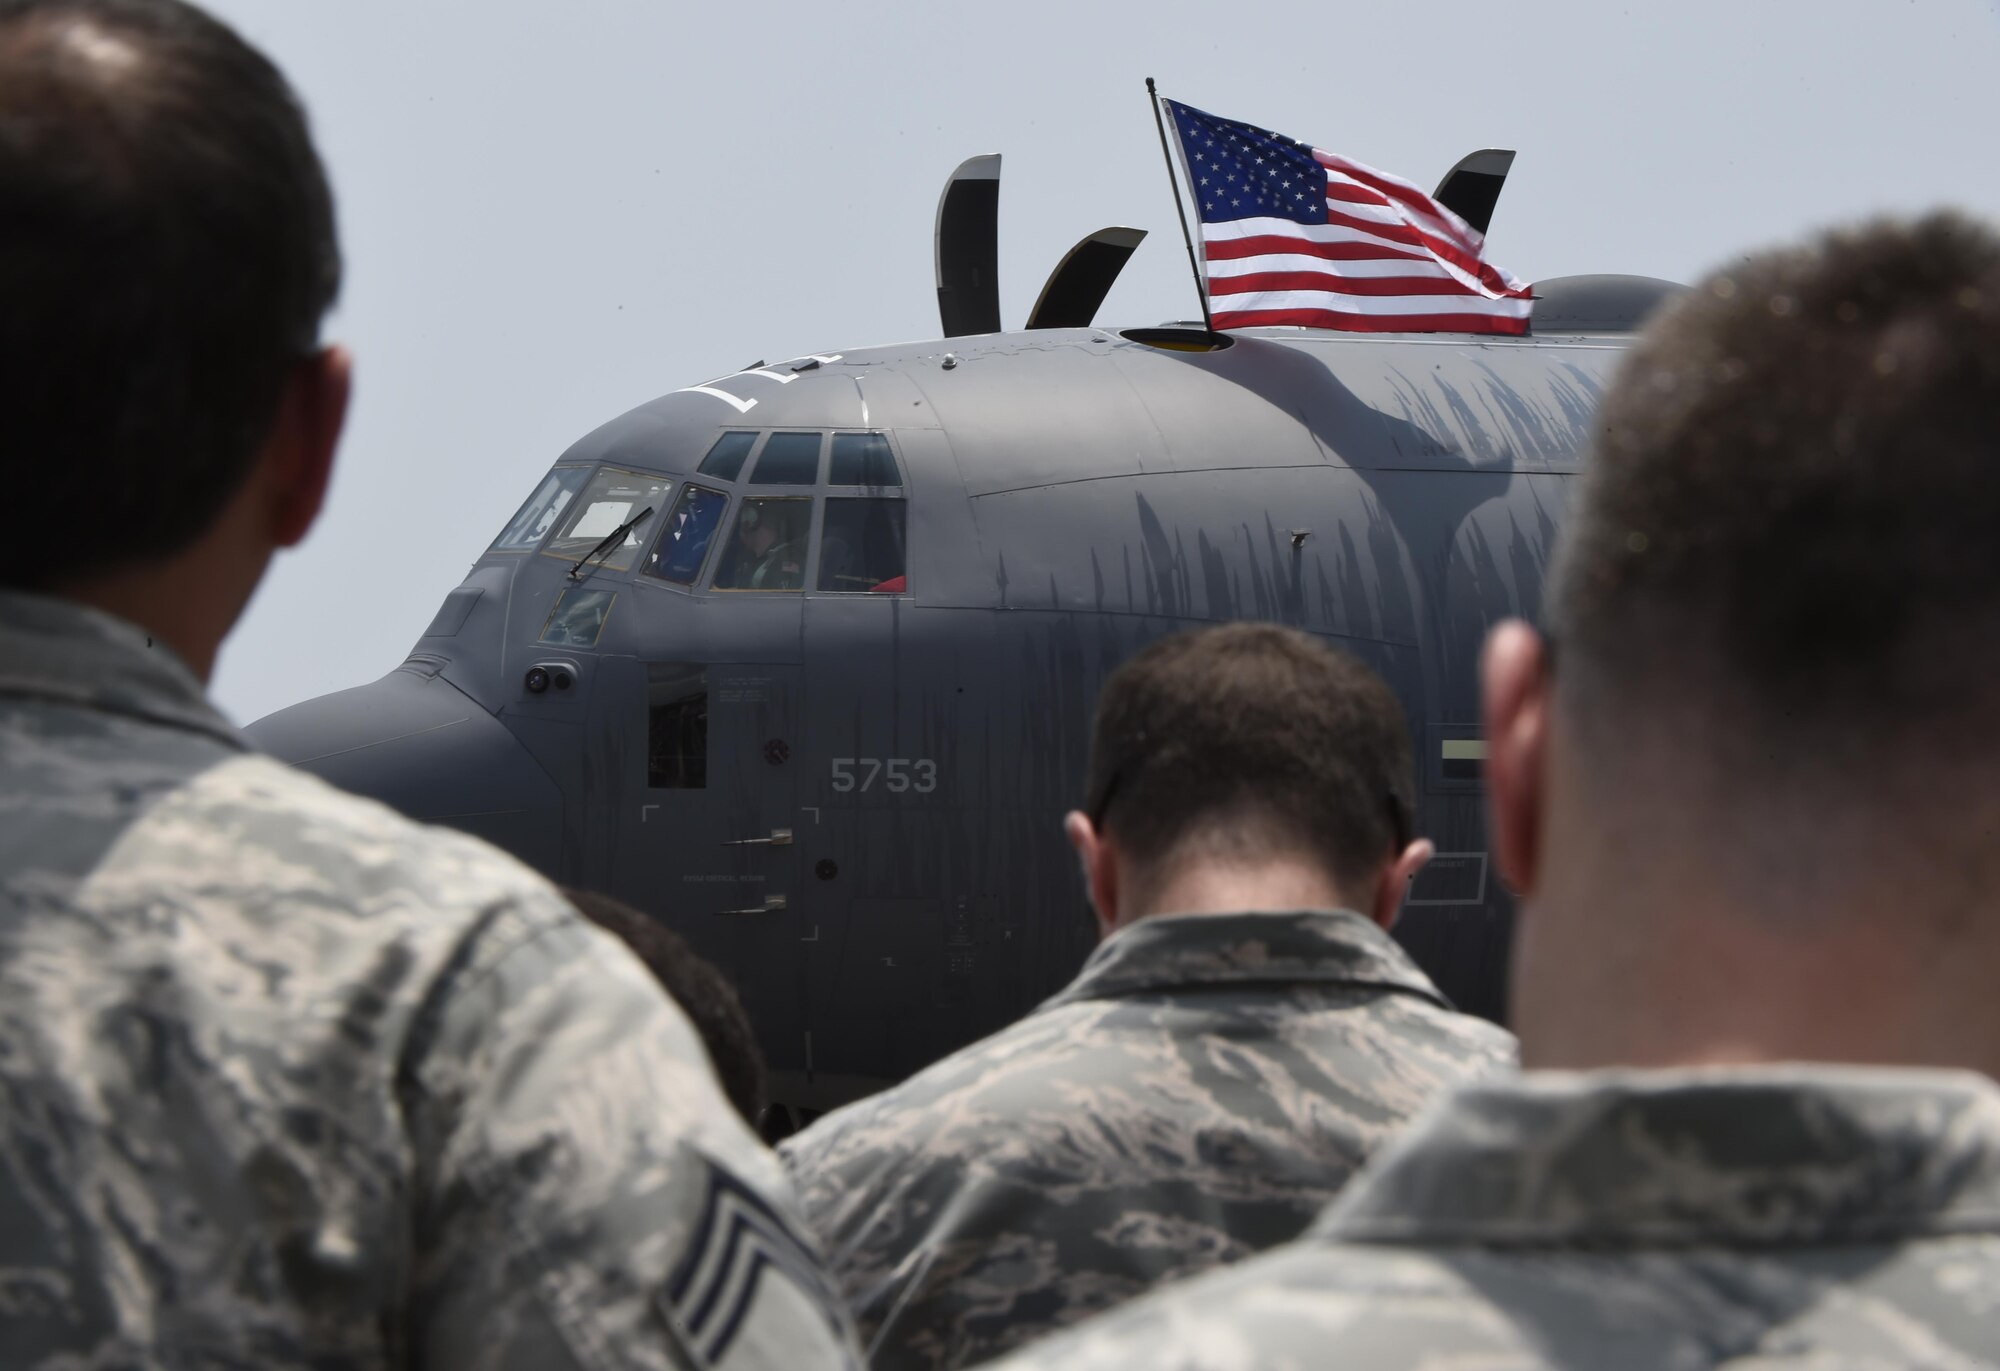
{"x":286,"y":1080}
{"x":1833,"y":1218}
{"x":1194,"y":1096}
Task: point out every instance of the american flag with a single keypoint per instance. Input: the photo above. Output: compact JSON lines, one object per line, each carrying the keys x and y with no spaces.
{"x":1294,"y":235}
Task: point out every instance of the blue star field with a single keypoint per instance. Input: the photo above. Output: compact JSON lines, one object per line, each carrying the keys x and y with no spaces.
{"x":1240,"y":171}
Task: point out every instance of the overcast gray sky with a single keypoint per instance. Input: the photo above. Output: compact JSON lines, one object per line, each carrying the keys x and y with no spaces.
{"x":554,"y":212}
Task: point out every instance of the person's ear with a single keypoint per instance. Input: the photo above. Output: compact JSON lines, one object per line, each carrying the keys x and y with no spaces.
{"x":1515,"y":700}
{"x":300,"y":454}
{"x":1393,"y":883}
{"x":1100,"y":871}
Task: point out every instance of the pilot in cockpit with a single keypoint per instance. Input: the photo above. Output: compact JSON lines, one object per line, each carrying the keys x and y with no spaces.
{"x":771,"y":547}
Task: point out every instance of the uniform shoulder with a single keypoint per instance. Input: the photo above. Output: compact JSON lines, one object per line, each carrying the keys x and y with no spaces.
{"x":1007,"y":1074}
{"x":274,"y":868}
{"x":1384,"y":1307}
{"x":253,"y":835}
{"x":1476,"y":1036}
{"x":1918,"y":1304}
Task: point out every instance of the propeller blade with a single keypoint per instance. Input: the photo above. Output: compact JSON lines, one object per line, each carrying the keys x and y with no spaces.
{"x":968,"y":248}
{"x":1083,"y":278}
{"x":1472,"y":188}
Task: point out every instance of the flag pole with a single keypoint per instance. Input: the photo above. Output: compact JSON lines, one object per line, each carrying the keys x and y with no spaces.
{"x":1201,"y":291}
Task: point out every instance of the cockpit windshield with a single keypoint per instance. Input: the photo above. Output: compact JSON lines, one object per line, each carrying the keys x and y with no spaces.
{"x":612,"y":497}
{"x":863,"y":459}
{"x":684,"y":539}
{"x":725,"y":459}
{"x":768,"y":549}
{"x":534,"y":520}
{"x":788,"y":459}
{"x":861,"y":547}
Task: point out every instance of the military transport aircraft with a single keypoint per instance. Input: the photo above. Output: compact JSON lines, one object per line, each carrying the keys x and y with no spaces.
{"x":802,"y":659}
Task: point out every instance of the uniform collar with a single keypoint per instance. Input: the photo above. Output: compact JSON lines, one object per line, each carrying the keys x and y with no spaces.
{"x":59,"y":650}
{"x":1764,"y":1156}
{"x":1177,"y":951}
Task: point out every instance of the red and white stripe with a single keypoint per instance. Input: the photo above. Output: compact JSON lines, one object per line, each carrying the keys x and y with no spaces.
{"x":1389,"y":259}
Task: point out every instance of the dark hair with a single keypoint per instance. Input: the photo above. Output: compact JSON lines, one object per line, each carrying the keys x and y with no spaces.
{"x":1790,"y":512}
{"x":702,"y":992}
{"x":167,"y":251}
{"x":1252,"y":739}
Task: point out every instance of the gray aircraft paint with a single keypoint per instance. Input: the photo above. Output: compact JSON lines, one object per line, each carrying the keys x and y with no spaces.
{"x":1071,"y":495}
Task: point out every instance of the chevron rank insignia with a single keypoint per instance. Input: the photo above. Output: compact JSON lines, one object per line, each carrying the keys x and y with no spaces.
{"x":749,"y":1292}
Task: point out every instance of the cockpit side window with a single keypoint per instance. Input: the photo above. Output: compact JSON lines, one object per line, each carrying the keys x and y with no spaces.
{"x":862,"y":548}
{"x":684,"y":539}
{"x":612,"y":498}
{"x":768,"y":549}
{"x":862,"y":459}
{"x":788,"y":459}
{"x":536,"y":517}
{"x":725,"y":460}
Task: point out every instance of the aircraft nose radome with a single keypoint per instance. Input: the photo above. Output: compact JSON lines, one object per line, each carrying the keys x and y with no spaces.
{"x":420,"y":746}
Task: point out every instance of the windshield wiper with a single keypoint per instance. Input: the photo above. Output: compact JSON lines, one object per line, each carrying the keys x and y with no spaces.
{"x":610,"y":540}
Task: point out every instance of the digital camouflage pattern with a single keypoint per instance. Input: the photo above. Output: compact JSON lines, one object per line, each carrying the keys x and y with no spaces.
{"x":1194,"y":1096}
{"x":288,"y":1081}
{"x":1832,"y":1218}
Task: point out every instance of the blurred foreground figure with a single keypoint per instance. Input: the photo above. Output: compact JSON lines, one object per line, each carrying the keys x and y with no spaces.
{"x":1247,"y":1033}
{"x":1752,"y":806}
{"x":285,"y":1080}
{"x":698,"y":987}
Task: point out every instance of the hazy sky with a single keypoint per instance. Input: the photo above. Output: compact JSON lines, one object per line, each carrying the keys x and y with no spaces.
{"x":554,"y":212}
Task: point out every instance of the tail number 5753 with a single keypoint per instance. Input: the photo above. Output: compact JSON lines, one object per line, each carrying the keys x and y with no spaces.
{"x":896,"y":774}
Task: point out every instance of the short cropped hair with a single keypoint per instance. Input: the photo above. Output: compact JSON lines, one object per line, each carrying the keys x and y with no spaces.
{"x":1248,"y":740}
{"x":1790,"y":509}
{"x":703,"y":993}
{"x":167,"y":251}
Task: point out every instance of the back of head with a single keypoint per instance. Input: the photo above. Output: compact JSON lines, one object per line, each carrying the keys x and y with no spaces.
{"x":1786,"y":541}
{"x":702,"y":992}
{"x":1762,"y":824}
{"x":1247,"y":741}
{"x":167,"y":251}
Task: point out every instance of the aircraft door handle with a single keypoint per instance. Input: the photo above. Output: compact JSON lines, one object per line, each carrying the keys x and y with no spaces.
{"x":772,"y":905}
{"x":780,"y":837}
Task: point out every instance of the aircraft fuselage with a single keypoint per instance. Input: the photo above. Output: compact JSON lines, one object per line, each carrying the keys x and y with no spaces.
{"x":844,"y":782}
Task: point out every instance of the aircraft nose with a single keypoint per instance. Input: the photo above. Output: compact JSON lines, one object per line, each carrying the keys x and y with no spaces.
{"x":421,"y":746}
